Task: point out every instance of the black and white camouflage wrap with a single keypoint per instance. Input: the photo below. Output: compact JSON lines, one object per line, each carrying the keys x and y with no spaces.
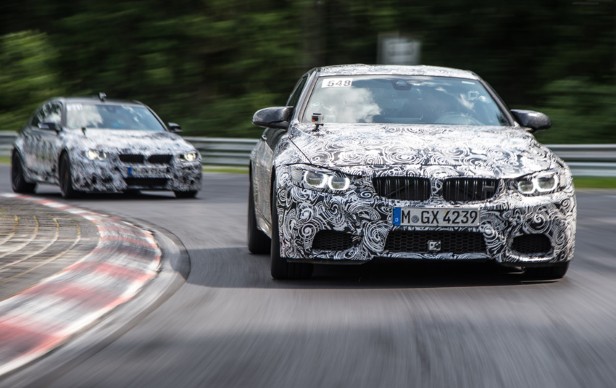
{"x":41,"y":157}
{"x":367,"y":150}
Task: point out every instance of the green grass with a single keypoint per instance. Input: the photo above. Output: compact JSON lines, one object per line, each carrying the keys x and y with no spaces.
{"x":594,"y":183}
{"x":226,"y":169}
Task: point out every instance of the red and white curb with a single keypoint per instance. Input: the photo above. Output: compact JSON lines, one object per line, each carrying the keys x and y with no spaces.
{"x":39,"y":319}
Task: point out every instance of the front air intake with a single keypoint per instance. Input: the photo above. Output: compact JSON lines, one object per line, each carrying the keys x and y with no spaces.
{"x":532,"y":244}
{"x":331,"y":240}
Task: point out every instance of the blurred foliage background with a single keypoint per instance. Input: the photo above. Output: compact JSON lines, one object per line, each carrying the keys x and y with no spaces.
{"x":209,"y":64}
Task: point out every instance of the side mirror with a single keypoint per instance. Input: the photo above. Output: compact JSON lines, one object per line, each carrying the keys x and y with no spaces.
{"x":531,"y":119}
{"x":51,"y":126}
{"x":173,"y":127}
{"x":273,"y":117}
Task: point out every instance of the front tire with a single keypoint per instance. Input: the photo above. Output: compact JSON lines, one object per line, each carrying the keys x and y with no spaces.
{"x":553,"y":272}
{"x":18,"y":180}
{"x":66,"y":178}
{"x":281,"y":268}
{"x":185,"y":194}
{"x":133,"y":192}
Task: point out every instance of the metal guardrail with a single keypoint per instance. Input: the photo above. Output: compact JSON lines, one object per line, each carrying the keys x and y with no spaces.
{"x":598,"y":160}
{"x":6,"y":143}
{"x":218,"y":151}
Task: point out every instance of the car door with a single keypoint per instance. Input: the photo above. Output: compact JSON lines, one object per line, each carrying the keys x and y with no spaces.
{"x":50,"y":140}
{"x":31,"y":142}
{"x":264,"y":159}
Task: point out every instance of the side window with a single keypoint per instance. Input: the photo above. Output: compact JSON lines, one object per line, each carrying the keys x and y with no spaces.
{"x":273,"y":135}
{"x":38,"y":116}
{"x":294,"y":97}
{"x":53,"y":113}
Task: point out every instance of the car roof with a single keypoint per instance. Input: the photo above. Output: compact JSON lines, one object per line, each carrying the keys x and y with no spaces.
{"x":362,"y":69}
{"x":96,"y":99}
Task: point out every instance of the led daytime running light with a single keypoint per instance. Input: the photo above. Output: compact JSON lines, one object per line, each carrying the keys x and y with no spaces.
{"x":320,"y":180}
{"x":541,"y":184}
{"x":189,"y":156}
{"x":96,"y":154}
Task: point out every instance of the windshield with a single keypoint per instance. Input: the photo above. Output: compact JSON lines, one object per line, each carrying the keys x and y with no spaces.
{"x":403,"y":100}
{"x":111,"y":116}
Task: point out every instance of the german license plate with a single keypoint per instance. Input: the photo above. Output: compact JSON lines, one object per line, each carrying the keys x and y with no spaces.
{"x":146,"y":171}
{"x":408,"y":216}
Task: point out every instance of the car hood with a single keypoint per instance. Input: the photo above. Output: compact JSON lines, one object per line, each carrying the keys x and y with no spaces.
{"x":466,"y":150}
{"x":133,"y":141}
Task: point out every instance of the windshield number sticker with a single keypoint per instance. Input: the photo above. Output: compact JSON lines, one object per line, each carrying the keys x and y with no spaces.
{"x":337,"y":83}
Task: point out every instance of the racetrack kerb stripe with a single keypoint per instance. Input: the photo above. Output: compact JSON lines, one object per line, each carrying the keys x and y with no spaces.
{"x":43,"y":317}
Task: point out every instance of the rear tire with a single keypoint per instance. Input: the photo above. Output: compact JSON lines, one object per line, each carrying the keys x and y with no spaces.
{"x":18,"y":179}
{"x":66,"y":178}
{"x":133,"y":192}
{"x":258,"y":242}
{"x":553,"y":272}
{"x":185,"y":194}
{"x":281,"y":268}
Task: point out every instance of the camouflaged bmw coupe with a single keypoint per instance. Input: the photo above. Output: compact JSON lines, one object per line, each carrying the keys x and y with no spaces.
{"x":406,"y":162}
{"x":100,"y":145}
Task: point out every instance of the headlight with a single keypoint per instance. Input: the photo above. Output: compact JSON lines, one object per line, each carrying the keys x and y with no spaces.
{"x":336,"y":182}
{"x":537,"y":184}
{"x":317,"y":180}
{"x":320,"y":179}
{"x":96,"y":154}
{"x":189,"y":156}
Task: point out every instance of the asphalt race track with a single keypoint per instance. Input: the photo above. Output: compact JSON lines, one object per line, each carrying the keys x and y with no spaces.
{"x":382,"y":325}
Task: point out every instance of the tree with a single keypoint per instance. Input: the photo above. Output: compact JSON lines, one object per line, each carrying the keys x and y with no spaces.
{"x":210,"y":64}
{"x":27,"y":78}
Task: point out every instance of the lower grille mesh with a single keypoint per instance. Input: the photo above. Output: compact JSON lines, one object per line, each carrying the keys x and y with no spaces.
{"x":146,"y":182}
{"x":451,"y":242}
{"x":532,"y":244}
{"x":331,"y":240}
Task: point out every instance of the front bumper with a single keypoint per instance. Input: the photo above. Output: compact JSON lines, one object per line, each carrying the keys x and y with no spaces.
{"x":113,"y":176}
{"x":357,"y":226}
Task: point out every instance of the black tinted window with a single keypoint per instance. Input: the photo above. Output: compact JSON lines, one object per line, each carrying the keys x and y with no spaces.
{"x":294,"y":97}
{"x":53,"y":113}
{"x":37,"y":117}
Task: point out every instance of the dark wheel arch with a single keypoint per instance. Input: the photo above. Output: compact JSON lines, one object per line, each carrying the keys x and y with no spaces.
{"x":185,"y":194}
{"x":258,"y":242}
{"x":19,"y":183}
{"x":65,"y":176}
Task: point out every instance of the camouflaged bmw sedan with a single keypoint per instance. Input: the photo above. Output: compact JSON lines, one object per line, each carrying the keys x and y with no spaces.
{"x":406,"y":162}
{"x":106,"y":146}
